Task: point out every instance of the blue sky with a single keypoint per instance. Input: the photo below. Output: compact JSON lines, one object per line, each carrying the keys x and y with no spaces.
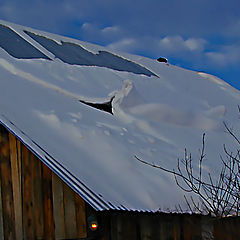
{"x":202,"y":35}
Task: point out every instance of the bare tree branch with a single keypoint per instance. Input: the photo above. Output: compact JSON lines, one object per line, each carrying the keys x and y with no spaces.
{"x":219,"y":197}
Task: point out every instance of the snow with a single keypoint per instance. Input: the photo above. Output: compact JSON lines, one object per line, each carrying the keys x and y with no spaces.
{"x":154,"y":117}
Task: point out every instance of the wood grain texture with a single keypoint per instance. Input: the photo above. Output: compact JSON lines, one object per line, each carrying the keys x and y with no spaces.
{"x":28,"y":219}
{"x":80,"y":217}
{"x":58,"y":207}
{"x":70,"y":212}
{"x":192,"y":227}
{"x":6,"y":186}
{"x":49,"y":225}
{"x":1,"y":213}
{"x":19,"y":155}
{"x":37,"y":197}
{"x":17,"y":193}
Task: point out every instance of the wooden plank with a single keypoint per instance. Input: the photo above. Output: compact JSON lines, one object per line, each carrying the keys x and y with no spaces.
{"x":28,"y":219}
{"x":191,"y":227}
{"x":207,"y":227}
{"x":1,"y":214}
{"x":104,"y":220}
{"x":176,"y":228}
{"x":235,"y":225}
{"x":17,"y":198}
{"x":80,"y":217}
{"x":58,"y":207}
{"x":217,"y":230}
{"x":116,"y":227}
{"x":70,"y":212}
{"x":19,"y":156}
{"x":129,"y":227}
{"x":37,"y":197}
{"x":157,"y":226}
{"x":165,"y":226}
{"x":145,"y":228}
{"x":49,"y":228}
{"x":6,"y":186}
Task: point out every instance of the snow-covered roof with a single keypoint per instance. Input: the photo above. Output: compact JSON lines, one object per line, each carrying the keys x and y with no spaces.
{"x":158,"y":111}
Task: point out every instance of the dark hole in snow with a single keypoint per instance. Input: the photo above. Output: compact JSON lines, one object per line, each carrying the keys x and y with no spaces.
{"x":162,"y":59}
{"x":16,"y":46}
{"x":106,"y":106}
{"x":72,"y":53}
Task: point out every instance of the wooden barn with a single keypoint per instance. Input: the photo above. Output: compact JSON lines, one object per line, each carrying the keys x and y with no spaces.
{"x":73,"y":116}
{"x":36,"y":204}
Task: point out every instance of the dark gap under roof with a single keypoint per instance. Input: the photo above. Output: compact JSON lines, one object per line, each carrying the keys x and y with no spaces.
{"x":72,"y":53}
{"x":106,"y":106}
{"x":16,"y":46}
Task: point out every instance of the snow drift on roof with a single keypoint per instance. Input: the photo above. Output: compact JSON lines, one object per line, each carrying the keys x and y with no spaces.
{"x":42,"y":103}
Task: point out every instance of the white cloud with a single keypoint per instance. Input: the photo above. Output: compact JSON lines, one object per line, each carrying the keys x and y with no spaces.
{"x":198,"y":52}
{"x":90,"y":28}
{"x":125,"y":44}
{"x":216,"y":58}
{"x":195,"y":44}
{"x":92,"y":32}
{"x":87,"y":27}
{"x":110,"y":30}
{"x":178,"y":44}
{"x":225,"y":55}
{"x":170,"y":46}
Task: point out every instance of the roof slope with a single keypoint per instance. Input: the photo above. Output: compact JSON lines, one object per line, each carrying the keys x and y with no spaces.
{"x":158,"y":111}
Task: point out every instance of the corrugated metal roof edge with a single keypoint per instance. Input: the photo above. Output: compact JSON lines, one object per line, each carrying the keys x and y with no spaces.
{"x":93,"y":199}
{"x":97,"y":202}
{"x":160,"y":212}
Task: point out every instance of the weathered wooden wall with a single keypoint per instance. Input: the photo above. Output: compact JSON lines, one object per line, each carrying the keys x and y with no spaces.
{"x":34,"y":202}
{"x":147,"y":226}
{"x":227,"y":228}
{"x":151,"y":226}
